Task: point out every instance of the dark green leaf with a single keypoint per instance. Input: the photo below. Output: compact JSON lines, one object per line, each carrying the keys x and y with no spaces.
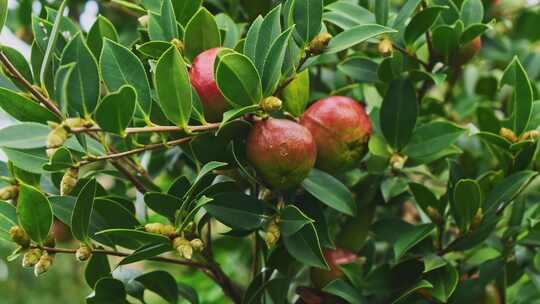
{"x":431,"y":138}
{"x":238,"y":80}
{"x":467,"y":200}
{"x":472,"y":11}
{"x":24,"y":136}
{"x":162,"y":26}
{"x":102,"y":28}
{"x":505,"y":191}
{"x":361,"y":69}
{"x":421,"y":22}
{"x":444,"y":281}
{"x":261,"y":36}
{"x":133,"y":239}
{"x":516,"y":76}
{"x":24,"y":109}
{"x":146,"y":252}
{"x":115,"y":111}
{"x":296,"y":94}
{"x":173,"y":87}
{"x":108,"y":291}
{"x":34,"y":213}
{"x":330,"y":191}
{"x":273,"y":63}
{"x":163,"y":204}
{"x":97,"y":268}
{"x":445,"y":39}
{"x":398,"y":113}
{"x":80,"y":219}
{"x":402,"y":235}
{"x":292,"y":219}
{"x":305,"y":247}
{"x":345,"y":291}
{"x":307,"y":16}
{"x":162,"y":283}
{"x":202,"y":33}
{"x":355,"y":35}
{"x":185,"y":9}
{"x":238,"y":210}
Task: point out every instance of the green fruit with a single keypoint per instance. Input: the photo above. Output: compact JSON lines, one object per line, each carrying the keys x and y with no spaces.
{"x":282,"y":151}
{"x":334,"y":258}
{"x":341,"y":129}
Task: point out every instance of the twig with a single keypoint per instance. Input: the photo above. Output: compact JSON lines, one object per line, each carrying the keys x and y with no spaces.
{"x":155,"y":129}
{"x":412,"y":56}
{"x":49,"y":104}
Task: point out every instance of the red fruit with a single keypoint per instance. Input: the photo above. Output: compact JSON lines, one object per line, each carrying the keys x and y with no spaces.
{"x":335,"y":258}
{"x":202,"y":79}
{"x":469,"y":51}
{"x":341,"y":129}
{"x":282,"y":151}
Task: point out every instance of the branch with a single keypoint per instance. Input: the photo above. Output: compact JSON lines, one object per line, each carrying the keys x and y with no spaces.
{"x":49,"y":104}
{"x":156,"y":129}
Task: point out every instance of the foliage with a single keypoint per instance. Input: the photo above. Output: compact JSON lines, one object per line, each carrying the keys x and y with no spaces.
{"x":112,"y":157}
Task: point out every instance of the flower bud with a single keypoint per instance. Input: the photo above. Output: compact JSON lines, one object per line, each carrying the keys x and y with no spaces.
{"x":319,"y":43}
{"x":397,"y":161}
{"x":178,"y":44}
{"x":9,"y":192}
{"x":271,"y":104}
{"x":56,"y":139}
{"x":76,"y":122}
{"x":508,"y":134}
{"x":272,"y":233}
{"x":153,"y":227}
{"x":45,"y":262}
{"x":19,"y":236}
{"x":83,"y":253}
{"x":143,"y":21}
{"x":197,"y":244}
{"x":531,"y":135}
{"x":69,"y":181}
{"x":168,"y":230}
{"x":183,"y":247}
{"x":385,"y":46}
{"x":31,"y":257}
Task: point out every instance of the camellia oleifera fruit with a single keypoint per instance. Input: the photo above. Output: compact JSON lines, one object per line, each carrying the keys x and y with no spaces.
{"x":341,"y":128}
{"x":202,"y":78}
{"x":282,"y":151}
{"x":334,"y":258}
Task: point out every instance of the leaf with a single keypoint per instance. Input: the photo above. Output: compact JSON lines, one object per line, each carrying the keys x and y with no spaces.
{"x":80,"y":219}
{"x":354,"y":36}
{"x":361,"y":69}
{"x":24,"y":136}
{"x":398,"y":113}
{"x":516,"y":76}
{"x":31,"y":160}
{"x":291,"y":220}
{"x":19,"y":63}
{"x":97,"y":268}
{"x":273,"y":63}
{"x":347,"y":14}
{"x":235,"y":113}
{"x":162,"y":283}
{"x":467,"y":201}
{"x":444,"y":281}
{"x":3,"y":12}
{"x":201,"y":34}
{"x":231,"y":29}
{"x":473,"y":31}
{"x":432,"y":138}
{"x":8,"y":219}
{"x":205,"y":170}
{"x":108,"y":290}
{"x":402,"y":235}
{"x":173,"y":87}
{"x":51,"y":44}
{"x":445,"y":39}
{"x":185,"y":9}
{"x":304,"y":246}
{"x":102,"y":28}
{"x":163,"y":26}
{"x":146,"y":252}
{"x":163,"y":204}
{"x":382,"y":8}
{"x":344,"y":290}
{"x":307,"y":16}
{"x":425,"y":198}
{"x":34,"y":213}
{"x":238,"y":210}
{"x":115,"y":111}
{"x":119,"y":67}
{"x":472,"y":11}
{"x":506,"y":190}
{"x":405,"y":13}
{"x":330,"y":191}
{"x":24,"y":109}
{"x":421,"y":22}
{"x":296,"y":94}
{"x":133,"y":239}
{"x":422,"y":284}
{"x":261,"y":36}
{"x":154,"y":49}
{"x":433,"y":261}
{"x":83,"y":87}
{"x":238,"y":80}
{"x":256,"y":288}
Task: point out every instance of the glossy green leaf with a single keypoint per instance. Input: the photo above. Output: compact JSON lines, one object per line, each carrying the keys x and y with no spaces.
{"x":185,"y":9}
{"x":354,"y":36}
{"x":444,"y":281}
{"x":115,"y":111}
{"x":403,"y":236}
{"x":162,"y":283}
{"x":345,"y":291}
{"x":421,"y":22}
{"x":505,"y":191}
{"x":231,"y":29}
{"x":51,"y":45}
{"x":238,"y":80}
{"x":19,"y":62}
{"x":307,"y":16}
{"x":133,"y":239}
{"x":146,"y":252}
{"x":405,"y":12}
{"x":119,"y":67}
{"x":291,"y":220}
{"x":273,"y":63}
{"x":24,"y":136}
{"x":467,"y":200}
{"x":80,"y":219}
{"x":201,"y":34}
{"x":83,"y":87}
{"x":173,"y":87}
{"x":34,"y":213}
{"x":97,"y":268}
{"x":162,"y":26}
{"x":296,"y":94}
{"x":102,"y":28}
{"x":261,"y":36}
{"x":382,"y":9}
{"x":516,"y":76}
{"x":238,"y":210}
{"x":24,"y":109}
{"x":472,"y":11}
{"x":473,"y":31}
{"x":32,"y":160}
{"x":346,"y":14}
{"x":431,"y":138}
{"x":8,"y":219}
{"x":330,"y":191}
{"x":3,"y":12}
{"x":108,"y":290}
{"x":361,"y":69}
{"x":398,"y":113}
{"x":154,"y":49}
{"x":163,"y":204}
{"x":425,"y":198}
{"x":304,"y":246}
{"x":445,"y":39}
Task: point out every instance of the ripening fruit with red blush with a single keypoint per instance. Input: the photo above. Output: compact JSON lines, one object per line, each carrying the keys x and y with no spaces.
{"x":469,"y":51}
{"x":334,"y":258}
{"x":341,"y":128}
{"x":202,"y":78}
{"x":282,"y":151}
